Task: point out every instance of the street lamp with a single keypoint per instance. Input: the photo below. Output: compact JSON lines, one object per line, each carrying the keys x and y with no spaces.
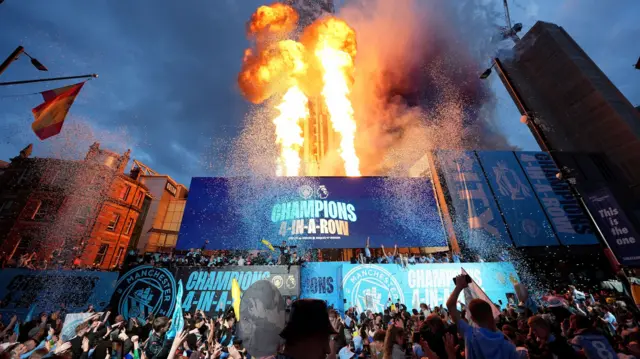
{"x":14,"y":56}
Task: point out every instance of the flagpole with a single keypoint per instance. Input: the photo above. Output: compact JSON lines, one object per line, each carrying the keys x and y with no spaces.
{"x":48,"y":79}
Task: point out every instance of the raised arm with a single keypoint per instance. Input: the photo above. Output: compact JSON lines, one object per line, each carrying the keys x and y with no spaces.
{"x":461,"y":283}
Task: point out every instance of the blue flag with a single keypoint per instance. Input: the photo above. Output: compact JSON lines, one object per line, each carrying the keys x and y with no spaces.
{"x":177,"y":320}
{"x":16,"y":329}
{"x":29,"y":316}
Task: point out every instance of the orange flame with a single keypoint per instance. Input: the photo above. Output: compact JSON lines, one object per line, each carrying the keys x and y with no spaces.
{"x":293,"y":109}
{"x":335,"y":48}
{"x":275,"y":19}
{"x":271,"y":70}
{"x":276,"y":67}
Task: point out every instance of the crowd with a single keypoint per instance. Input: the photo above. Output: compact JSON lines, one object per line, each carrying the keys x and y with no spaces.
{"x":277,"y":255}
{"x":572,"y":324}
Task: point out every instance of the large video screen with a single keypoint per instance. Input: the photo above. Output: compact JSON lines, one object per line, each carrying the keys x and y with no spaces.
{"x":310,"y":212}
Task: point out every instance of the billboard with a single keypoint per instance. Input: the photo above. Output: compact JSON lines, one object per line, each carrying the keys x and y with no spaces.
{"x":322,"y":280}
{"x":477,"y":216}
{"x":524,"y":217}
{"x":47,"y":290}
{"x":311,"y":212}
{"x":615,"y":226}
{"x":370,"y":287}
{"x":148,"y":290}
{"x":567,"y":217}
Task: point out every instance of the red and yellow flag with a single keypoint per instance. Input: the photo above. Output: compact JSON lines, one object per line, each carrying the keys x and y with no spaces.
{"x":50,"y":115}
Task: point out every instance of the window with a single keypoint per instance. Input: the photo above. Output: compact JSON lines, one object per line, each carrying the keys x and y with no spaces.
{"x":6,"y":208}
{"x":25,"y":244}
{"x":118,"y":256}
{"x":113,"y":223}
{"x":43,"y":210}
{"x":82,"y":214}
{"x":173,"y":218}
{"x":102,"y":252}
{"x":129,"y":225}
{"x":138,"y":199}
{"x":52,"y":177}
{"x":125,"y":193}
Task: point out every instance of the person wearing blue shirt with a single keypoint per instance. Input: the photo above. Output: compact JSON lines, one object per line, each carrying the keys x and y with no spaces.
{"x":610,"y":319}
{"x":483,"y":341}
{"x":367,"y":252}
{"x":591,"y":341}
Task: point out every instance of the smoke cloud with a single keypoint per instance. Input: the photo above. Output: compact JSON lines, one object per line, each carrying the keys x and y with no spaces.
{"x":417,"y":85}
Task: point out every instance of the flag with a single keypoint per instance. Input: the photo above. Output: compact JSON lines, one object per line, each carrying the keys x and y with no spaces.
{"x":268,"y":244}
{"x":49,"y":115}
{"x":177,"y":319}
{"x":474,"y":291}
{"x":29,"y":316}
{"x":235,"y":297}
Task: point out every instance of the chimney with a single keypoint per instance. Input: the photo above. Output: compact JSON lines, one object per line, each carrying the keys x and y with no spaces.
{"x":124,"y":160}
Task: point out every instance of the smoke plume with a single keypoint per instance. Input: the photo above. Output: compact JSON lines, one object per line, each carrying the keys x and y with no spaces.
{"x":417,"y":85}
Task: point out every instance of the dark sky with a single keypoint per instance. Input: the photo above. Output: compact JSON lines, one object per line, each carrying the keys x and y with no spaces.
{"x":167,"y":86}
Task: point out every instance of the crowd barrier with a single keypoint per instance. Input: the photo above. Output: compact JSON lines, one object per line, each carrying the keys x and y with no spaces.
{"x":148,"y":290}
{"x":23,"y":290}
{"x":371,"y":286}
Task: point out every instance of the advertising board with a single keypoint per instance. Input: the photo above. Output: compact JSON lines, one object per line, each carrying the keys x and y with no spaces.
{"x":48,"y":290}
{"x":311,"y":212}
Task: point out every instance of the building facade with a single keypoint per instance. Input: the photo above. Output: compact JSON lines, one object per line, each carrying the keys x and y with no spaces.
{"x":577,"y":108}
{"x":158,"y":230}
{"x":71,"y":213}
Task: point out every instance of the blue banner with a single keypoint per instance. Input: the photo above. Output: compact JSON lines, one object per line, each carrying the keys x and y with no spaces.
{"x":311,"y":212}
{"x":148,"y":290}
{"x":372,"y":287}
{"x":47,"y":291}
{"x":615,"y":226}
{"x":569,"y":221}
{"x":525,"y":218}
{"x":478,"y":220}
{"x":322,"y":280}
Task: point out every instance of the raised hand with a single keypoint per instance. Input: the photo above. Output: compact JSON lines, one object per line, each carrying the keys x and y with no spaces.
{"x":85,"y":344}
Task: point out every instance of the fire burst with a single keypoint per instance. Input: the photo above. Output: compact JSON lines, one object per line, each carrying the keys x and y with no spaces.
{"x":321,"y":65}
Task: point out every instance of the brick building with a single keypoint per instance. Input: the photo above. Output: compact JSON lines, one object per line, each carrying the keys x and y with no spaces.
{"x":81,"y":212}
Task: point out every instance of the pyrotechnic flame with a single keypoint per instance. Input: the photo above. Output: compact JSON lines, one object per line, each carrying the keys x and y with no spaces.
{"x":272,"y":70}
{"x":293,"y":109}
{"x":276,"y":67}
{"x":335,"y":49}
{"x":274,"y":19}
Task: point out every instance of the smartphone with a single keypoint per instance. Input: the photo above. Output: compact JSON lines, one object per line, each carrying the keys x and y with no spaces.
{"x":468,"y":277}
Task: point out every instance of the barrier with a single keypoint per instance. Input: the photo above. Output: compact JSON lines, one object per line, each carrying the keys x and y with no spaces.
{"x":20,"y":289}
{"x":148,"y":290}
{"x":371,"y":286}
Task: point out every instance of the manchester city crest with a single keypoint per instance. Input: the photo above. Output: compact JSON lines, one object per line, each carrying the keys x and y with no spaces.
{"x":370,"y":287}
{"x":146,"y":290}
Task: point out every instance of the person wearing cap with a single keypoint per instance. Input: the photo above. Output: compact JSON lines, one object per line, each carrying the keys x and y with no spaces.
{"x":308,"y":333}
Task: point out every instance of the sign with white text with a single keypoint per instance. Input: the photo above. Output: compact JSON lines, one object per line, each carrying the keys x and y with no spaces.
{"x":567,"y":217}
{"x":311,"y":212}
{"x":615,"y":226}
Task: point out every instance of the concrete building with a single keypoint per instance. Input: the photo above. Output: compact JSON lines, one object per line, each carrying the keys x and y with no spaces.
{"x":576,"y":106}
{"x":78,"y":213}
{"x":161,"y":223}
